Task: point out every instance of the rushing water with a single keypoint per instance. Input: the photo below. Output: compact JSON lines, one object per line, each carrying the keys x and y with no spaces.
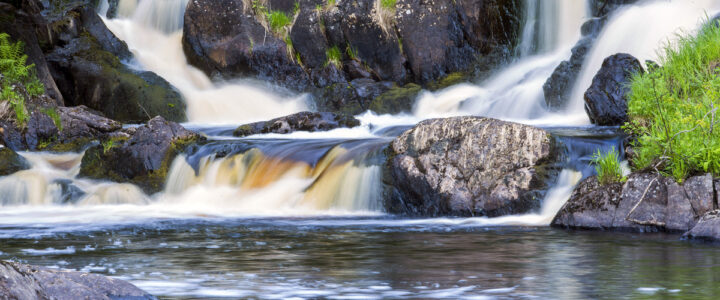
{"x":301,"y":215}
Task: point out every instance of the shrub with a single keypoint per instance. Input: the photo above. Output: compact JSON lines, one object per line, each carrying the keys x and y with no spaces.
{"x":673,"y":109}
{"x":608,"y":167}
{"x":333,"y":56}
{"x":19,"y":79}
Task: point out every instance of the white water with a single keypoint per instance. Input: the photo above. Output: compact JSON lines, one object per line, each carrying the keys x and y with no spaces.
{"x":153,"y":32}
{"x":516,"y":93}
{"x":643,"y":30}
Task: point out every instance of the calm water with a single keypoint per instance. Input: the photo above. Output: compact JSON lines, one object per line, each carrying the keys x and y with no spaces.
{"x":373,"y":257}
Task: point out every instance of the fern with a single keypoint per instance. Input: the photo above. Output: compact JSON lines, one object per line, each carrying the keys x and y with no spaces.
{"x":19,"y":79}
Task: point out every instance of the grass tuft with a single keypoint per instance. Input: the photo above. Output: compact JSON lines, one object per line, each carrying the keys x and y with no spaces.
{"x":333,"y":56}
{"x":278,"y":21}
{"x":673,"y":110}
{"x":608,"y":167}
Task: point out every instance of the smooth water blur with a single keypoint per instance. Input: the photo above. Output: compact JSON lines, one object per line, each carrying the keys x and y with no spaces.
{"x":370,"y":258}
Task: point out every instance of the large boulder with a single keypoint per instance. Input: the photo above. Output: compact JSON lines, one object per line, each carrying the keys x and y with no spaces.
{"x":11,"y":162}
{"x":707,"y":229}
{"x":606,"y":99}
{"x":468,"y":166}
{"x":143,"y":157}
{"x":302,"y":121}
{"x":646,"y":202}
{"x":20,"y":281}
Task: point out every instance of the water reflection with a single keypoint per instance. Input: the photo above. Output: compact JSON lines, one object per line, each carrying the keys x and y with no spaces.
{"x":375,"y":258}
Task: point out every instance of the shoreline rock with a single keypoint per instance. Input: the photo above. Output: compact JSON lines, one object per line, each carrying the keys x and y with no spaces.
{"x":21,"y":281}
{"x":606,"y":99}
{"x":468,"y":166}
{"x":302,"y":121}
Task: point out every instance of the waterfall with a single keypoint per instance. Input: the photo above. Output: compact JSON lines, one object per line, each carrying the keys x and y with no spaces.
{"x":515,"y":93}
{"x":153,"y":32}
{"x":642,"y":30}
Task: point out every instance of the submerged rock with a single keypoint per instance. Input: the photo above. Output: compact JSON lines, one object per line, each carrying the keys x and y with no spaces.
{"x":707,"y":229}
{"x":468,"y":166}
{"x":646,"y":202}
{"x":606,"y":99}
{"x":11,"y":162}
{"x":302,"y":121}
{"x":20,"y":281}
{"x":142,"y":157}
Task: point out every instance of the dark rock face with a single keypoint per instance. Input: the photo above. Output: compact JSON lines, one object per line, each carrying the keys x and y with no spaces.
{"x":11,"y":162}
{"x":302,"y":121}
{"x":558,"y":88}
{"x":142,"y":157}
{"x":605,"y":100}
{"x":353,"y":97}
{"x":467,"y":166}
{"x":72,"y":130}
{"x":646,"y":202}
{"x":416,"y":41}
{"x":19,"y":281}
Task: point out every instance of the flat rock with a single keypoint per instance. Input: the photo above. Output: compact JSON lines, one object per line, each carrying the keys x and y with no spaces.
{"x":302,"y":121}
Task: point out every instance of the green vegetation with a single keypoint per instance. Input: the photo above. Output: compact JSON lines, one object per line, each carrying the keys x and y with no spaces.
{"x":608,"y":167}
{"x":52,"y":113}
{"x":333,"y":56}
{"x":278,"y":20}
{"x":19,"y":80}
{"x":673,"y":109}
{"x":107,"y":145}
{"x":388,"y":4}
{"x":330,"y":3}
{"x":352,"y":53}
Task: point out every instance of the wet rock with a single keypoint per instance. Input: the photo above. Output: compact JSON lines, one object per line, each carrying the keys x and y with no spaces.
{"x":605,"y":100}
{"x":558,"y":88}
{"x":20,"y":281}
{"x":302,"y":121}
{"x":396,"y":100}
{"x":646,"y":202}
{"x":468,"y":166}
{"x":11,"y":162}
{"x":707,"y":229}
{"x":69,"y":193}
{"x":352,"y":97}
{"x":142,"y":158}
{"x":227,"y":38}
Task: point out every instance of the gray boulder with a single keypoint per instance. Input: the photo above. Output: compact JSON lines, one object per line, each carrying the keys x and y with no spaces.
{"x":468,"y":166}
{"x":11,"y":162}
{"x":20,"y":281}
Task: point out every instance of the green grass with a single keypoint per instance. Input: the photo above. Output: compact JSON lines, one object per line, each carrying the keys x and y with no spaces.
{"x":388,"y":4}
{"x":608,"y":167}
{"x":352,"y":53}
{"x":52,"y":113}
{"x":19,"y":79}
{"x":673,"y":110}
{"x":331,"y":3}
{"x":333,"y":56}
{"x":278,"y":20}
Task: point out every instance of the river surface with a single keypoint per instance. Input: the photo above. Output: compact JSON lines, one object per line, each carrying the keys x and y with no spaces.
{"x":372,"y":257}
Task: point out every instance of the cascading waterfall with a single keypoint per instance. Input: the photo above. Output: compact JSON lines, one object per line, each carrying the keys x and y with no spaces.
{"x":516,"y":93}
{"x":654,"y":24}
{"x":153,"y":32}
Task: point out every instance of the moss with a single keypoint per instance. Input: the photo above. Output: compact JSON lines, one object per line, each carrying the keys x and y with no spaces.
{"x":75,"y":145}
{"x":243,"y":130}
{"x":449,"y":80}
{"x":396,"y":100}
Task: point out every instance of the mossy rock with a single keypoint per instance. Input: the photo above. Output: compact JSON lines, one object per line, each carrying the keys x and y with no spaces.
{"x":11,"y":162}
{"x":396,"y":100}
{"x":447,"y":81}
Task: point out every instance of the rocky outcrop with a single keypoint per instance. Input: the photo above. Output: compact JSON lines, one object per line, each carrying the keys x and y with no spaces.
{"x":468,"y":166}
{"x":88,"y":69}
{"x":11,"y":162}
{"x":302,"y":121}
{"x":20,"y":281}
{"x":59,"y":129}
{"x":327,"y":48}
{"x":558,"y":88}
{"x":606,"y":99}
{"x":142,"y":156}
{"x":646,"y":202}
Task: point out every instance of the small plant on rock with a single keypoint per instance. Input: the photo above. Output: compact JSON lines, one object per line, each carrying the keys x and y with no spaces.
{"x":333,"y":56}
{"x":18,"y":80}
{"x":608,"y":167}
